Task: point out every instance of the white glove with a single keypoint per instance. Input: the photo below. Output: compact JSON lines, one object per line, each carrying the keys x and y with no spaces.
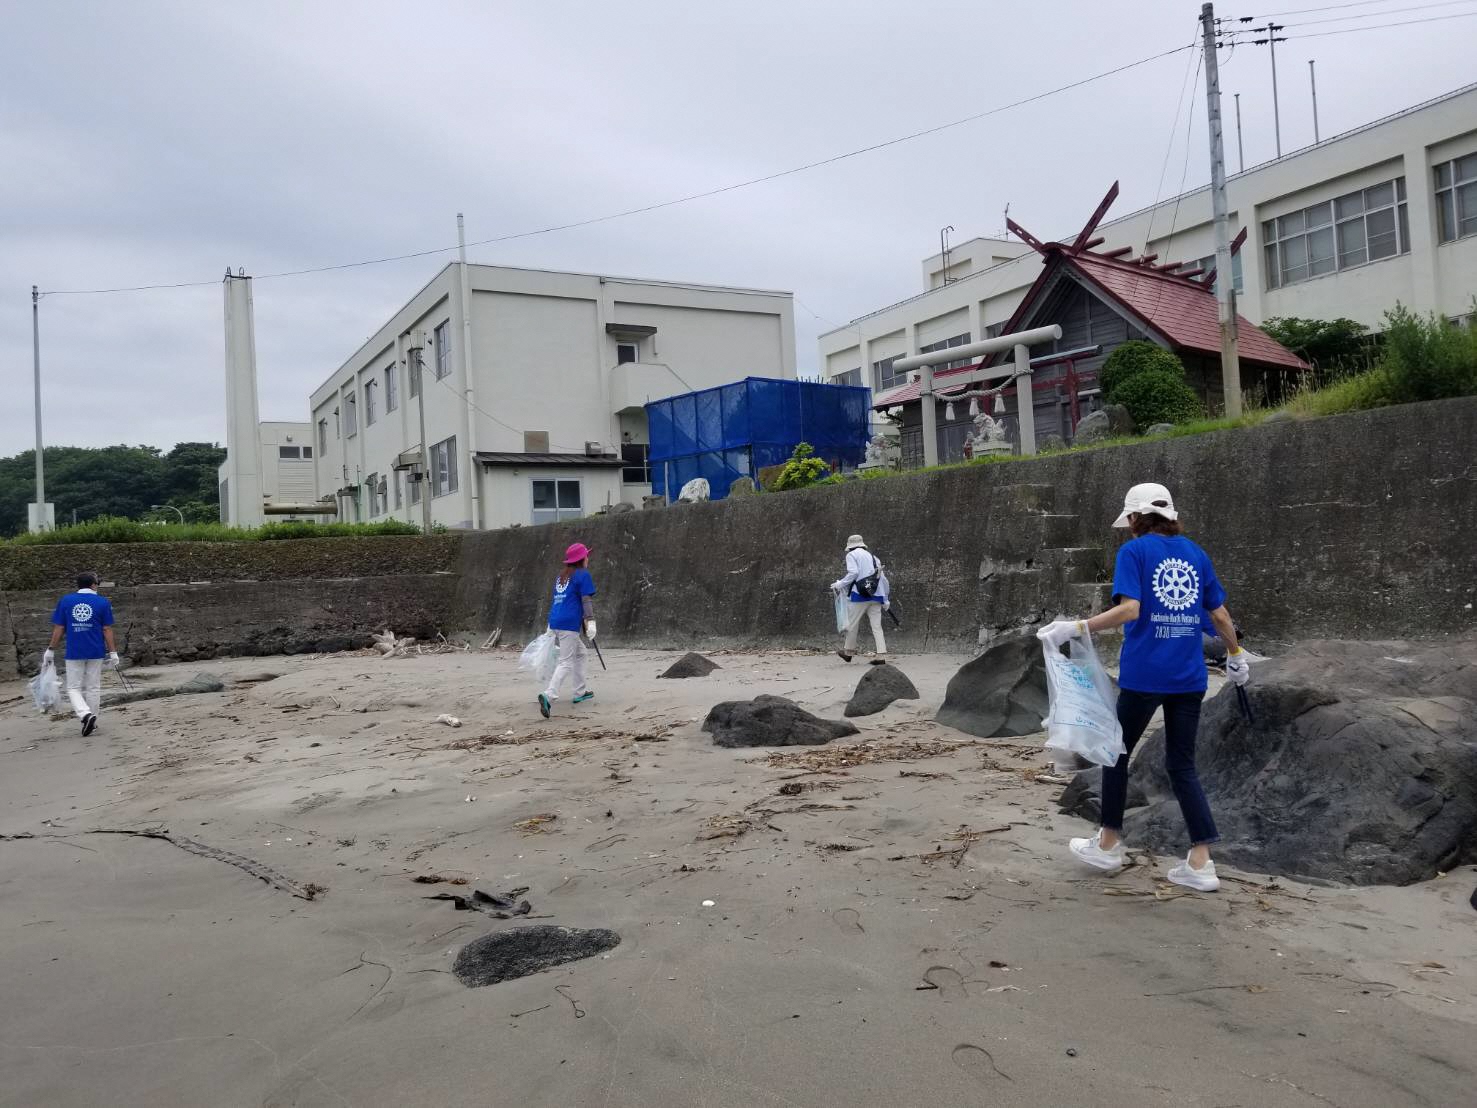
{"x":590,"y":630}
{"x":48,"y":658}
{"x":836,"y":586}
{"x":1059,"y":632}
{"x":113,"y":659}
{"x":1238,"y":668}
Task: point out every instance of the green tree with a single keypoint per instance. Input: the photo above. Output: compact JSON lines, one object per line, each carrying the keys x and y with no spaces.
{"x":1334,"y":347}
{"x":1426,"y":358}
{"x":802,"y":469}
{"x":1157,"y":396}
{"x":1133,"y":357}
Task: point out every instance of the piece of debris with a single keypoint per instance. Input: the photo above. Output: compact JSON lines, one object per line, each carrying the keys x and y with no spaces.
{"x":308,"y":890}
{"x":878,"y":688}
{"x":534,"y":825}
{"x":709,"y":903}
{"x":964,"y":836}
{"x":771,"y":721}
{"x":860,"y":754}
{"x":506,"y":955}
{"x":437,"y":879}
{"x":690,"y":665}
{"x":719,"y":827}
{"x":200,"y":683}
{"x":497,"y":905}
{"x":450,"y":721}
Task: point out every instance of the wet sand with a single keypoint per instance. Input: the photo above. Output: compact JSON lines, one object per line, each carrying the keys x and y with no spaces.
{"x":855,"y":952}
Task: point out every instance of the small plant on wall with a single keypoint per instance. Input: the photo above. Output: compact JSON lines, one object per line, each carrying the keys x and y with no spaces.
{"x":802,"y":470}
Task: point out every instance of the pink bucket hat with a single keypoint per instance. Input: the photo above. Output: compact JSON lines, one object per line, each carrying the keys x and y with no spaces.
{"x":577,"y":553}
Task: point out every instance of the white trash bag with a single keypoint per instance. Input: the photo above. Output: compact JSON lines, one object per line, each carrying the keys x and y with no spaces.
{"x":46,"y":688}
{"x":1082,"y":717}
{"x":540,"y":657}
{"x":843,"y":611}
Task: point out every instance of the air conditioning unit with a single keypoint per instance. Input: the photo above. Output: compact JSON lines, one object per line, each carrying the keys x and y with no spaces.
{"x":593,"y":450}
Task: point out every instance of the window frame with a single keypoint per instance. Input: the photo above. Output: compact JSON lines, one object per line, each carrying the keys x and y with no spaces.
{"x":1320,"y":237}
{"x":351,"y":414}
{"x":441,"y":337}
{"x":851,"y":377}
{"x":370,"y":415}
{"x":641,"y":464}
{"x":372,"y":484}
{"x":1455,"y":191}
{"x":882,"y":371}
{"x":443,"y":469}
{"x":392,"y":389}
{"x":323,"y":436}
{"x":283,"y":455}
{"x":948,"y":344}
{"x":633,"y":347}
{"x":559,"y":514}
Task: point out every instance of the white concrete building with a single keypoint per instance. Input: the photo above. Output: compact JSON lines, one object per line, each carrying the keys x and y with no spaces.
{"x":1382,"y":214}
{"x":288,"y":486}
{"x":534,"y":386}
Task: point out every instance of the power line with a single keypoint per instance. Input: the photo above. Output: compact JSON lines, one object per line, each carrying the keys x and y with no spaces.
{"x":1174,"y":130}
{"x":1378,"y":15}
{"x":1328,"y":8}
{"x":707,"y":194}
{"x":1384,"y":26}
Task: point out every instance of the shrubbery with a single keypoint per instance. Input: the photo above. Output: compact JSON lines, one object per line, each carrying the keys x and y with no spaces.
{"x":1150,"y":382}
{"x":110,"y":529}
{"x":802,"y":470}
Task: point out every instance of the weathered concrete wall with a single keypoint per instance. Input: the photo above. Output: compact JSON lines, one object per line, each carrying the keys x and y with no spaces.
{"x":53,"y":566}
{"x":1361,"y":526}
{"x":187,"y":601}
{"x":167,"y":623}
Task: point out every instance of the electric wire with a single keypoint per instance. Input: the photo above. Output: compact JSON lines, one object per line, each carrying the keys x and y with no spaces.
{"x":1385,"y":26}
{"x":704,"y":195}
{"x":1186,"y":92}
{"x":1375,"y":15}
{"x":1327,"y":8}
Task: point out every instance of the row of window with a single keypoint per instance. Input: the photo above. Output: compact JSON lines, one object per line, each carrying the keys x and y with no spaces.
{"x":442,"y":477}
{"x":1351,"y":230}
{"x":349,"y":425}
{"x":295,"y":452}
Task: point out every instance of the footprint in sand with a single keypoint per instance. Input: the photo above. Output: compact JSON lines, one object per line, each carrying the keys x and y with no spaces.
{"x":949,"y":982}
{"x":978,"y":1062}
{"x":849,"y":920}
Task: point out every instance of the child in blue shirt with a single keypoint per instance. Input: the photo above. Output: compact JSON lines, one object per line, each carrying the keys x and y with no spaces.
{"x":1163,"y":585}
{"x":571,"y":613}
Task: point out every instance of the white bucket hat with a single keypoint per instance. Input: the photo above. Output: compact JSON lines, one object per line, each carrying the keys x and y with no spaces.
{"x":1143,"y":499}
{"x":854,"y":542}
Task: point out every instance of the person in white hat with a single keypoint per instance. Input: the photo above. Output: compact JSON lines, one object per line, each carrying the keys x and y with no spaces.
{"x":1161,"y":584}
{"x":868,"y":597}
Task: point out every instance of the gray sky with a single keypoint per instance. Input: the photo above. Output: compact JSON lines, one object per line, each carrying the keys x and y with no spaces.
{"x":154,"y":142}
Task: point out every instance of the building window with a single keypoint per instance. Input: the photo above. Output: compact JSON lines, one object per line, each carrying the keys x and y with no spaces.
{"x":395,"y":477}
{"x":1456,"y":198}
{"x":884,"y":377}
{"x":291,"y":452}
{"x":443,"y":467}
{"x":1364,"y":226}
{"x":370,"y":415}
{"x":323,"y":435}
{"x":1208,"y":264}
{"x":392,"y":389}
{"x":637,"y":456}
{"x":307,"y":452}
{"x":626,"y":352}
{"x":443,"y":349}
{"x":414,"y":374}
{"x":415,"y":480}
{"x":554,"y":500}
{"x":850,"y":377}
{"x":351,"y":415}
{"x":947,"y":344}
{"x":995,"y":330}
{"x":373,"y":485}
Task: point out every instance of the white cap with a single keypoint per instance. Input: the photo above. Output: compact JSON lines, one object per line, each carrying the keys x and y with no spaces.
{"x":854,"y":542}
{"x":1143,"y":499}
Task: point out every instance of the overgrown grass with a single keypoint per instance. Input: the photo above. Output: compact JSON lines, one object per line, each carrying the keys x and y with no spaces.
{"x":113,"y":530}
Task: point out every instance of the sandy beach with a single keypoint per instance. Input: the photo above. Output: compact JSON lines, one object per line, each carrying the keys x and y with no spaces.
{"x":895,"y":919}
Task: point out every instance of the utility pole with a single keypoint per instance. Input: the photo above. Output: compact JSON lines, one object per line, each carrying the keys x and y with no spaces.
{"x":1313,"y":83}
{"x":469,"y":392}
{"x":40,"y":522}
{"x":413,"y":352}
{"x":1240,"y":151}
{"x":1224,"y":293}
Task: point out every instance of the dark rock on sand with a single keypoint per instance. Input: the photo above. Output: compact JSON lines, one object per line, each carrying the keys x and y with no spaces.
{"x":771,"y":721}
{"x":1002,"y":693}
{"x":1361,"y":767}
{"x":505,"y":955}
{"x":690,"y":665}
{"x":878,"y":688}
{"x":200,"y":683}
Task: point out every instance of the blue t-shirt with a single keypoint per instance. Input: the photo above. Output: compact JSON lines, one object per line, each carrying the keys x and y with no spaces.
{"x":568,"y":611}
{"x":1175,"y":584}
{"x":84,"y":615}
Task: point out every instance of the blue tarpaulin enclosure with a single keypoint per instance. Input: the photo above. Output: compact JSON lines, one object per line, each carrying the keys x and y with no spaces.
{"x":735,"y":430}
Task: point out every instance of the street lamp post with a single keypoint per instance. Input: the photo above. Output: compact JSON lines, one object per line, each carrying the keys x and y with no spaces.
{"x":169,"y":507}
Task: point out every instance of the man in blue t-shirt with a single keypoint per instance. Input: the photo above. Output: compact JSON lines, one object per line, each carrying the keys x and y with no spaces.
{"x":86,"y":620}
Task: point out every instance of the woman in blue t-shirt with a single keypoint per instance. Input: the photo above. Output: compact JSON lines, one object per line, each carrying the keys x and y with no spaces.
{"x":571,"y":613}
{"x":1162,"y":584}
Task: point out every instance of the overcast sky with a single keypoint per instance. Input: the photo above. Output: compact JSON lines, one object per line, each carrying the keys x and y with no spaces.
{"x":157,"y":142}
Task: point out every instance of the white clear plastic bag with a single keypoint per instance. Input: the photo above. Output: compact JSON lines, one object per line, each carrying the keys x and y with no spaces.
{"x":540,"y":657}
{"x":1082,"y":717}
{"x":46,"y":688}
{"x":843,"y":611}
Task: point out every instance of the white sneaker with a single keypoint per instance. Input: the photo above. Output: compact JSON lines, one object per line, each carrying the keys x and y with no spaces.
{"x":1094,"y":855}
{"x":1202,"y":880}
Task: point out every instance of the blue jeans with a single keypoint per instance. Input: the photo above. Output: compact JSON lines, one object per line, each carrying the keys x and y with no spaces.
{"x":1181,"y":722}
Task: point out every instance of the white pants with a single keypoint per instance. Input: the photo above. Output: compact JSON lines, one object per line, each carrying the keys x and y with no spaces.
{"x":572,"y":654}
{"x":84,"y":685}
{"x":860,"y":610}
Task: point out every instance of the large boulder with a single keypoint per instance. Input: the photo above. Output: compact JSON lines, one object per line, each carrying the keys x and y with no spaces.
{"x":771,"y":721}
{"x":695,"y":491}
{"x":1001,"y":693}
{"x":690,"y":665}
{"x":742,"y":486}
{"x":1107,"y":423}
{"x":1361,"y":766}
{"x":878,"y":688}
